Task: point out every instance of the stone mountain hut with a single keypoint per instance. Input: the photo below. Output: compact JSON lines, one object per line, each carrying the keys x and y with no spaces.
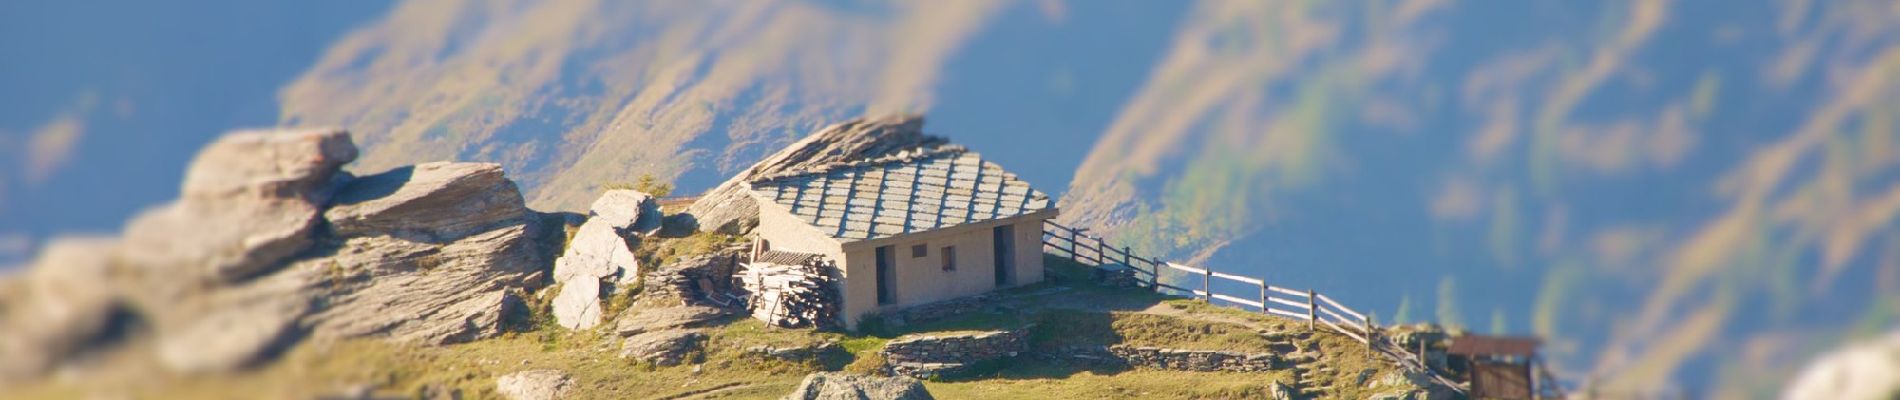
{"x":920,"y":226}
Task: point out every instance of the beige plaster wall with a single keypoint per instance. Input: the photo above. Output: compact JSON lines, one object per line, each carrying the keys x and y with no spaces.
{"x":922,"y":279}
{"x":919,"y":279}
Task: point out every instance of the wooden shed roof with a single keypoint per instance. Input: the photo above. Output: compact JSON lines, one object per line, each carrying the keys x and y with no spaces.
{"x":1494,"y":345}
{"x":913,"y":191}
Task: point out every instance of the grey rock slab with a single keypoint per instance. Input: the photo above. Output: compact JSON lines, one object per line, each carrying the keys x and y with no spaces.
{"x":438,"y":201}
{"x":277,"y":163}
{"x":627,"y":210}
{"x":637,"y":320}
{"x":419,"y":292}
{"x":597,"y":251}
{"x":844,"y":386}
{"x":220,"y":240}
{"x":540,"y":384}
{"x":663,"y":348}
{"x":577,"y":306}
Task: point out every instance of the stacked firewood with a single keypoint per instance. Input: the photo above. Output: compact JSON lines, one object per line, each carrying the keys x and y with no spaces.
{"x":791,"y":296}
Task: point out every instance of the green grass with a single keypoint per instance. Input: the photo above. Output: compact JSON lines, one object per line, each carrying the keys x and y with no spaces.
{"x":1032,"y":379}
{"x":1065,"y":328}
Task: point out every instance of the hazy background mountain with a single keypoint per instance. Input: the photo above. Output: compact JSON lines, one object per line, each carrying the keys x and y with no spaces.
{"x":1689,"y":194}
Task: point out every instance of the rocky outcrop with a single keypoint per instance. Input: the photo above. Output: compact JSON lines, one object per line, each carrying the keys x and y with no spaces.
{"x":600,"y":256}
{"x":729,"y":209}
{"x":929,"y":356}
{"x":843,"y":386}
{"x":237,"y":269}
{"x":662,"y":348}
{"x":540,"y":384}
{"x":261,"y":190}
{"x":1869,"y":370}
{"x":420,"y":292}
{"x":694,"y":280}
{"x":432,"y":202}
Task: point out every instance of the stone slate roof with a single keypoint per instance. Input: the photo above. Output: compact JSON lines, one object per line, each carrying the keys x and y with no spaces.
{"x":908,"y":192}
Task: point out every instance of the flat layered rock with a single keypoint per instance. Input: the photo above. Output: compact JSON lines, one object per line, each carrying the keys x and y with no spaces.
{"x":281,"y":163}
{"x":419,"y":292}
{"x":250,"y":199}
{"x":662,"y":348}
{"x":540,"y":384}
{"x":843,"y":386}
{"x":637,"y":320}
{"x":220,"y":240}
{"x":438,"y":201}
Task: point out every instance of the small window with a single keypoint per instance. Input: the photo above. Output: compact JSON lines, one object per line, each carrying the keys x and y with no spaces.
{"x":949,"y":258}
{"x":919,"y":251}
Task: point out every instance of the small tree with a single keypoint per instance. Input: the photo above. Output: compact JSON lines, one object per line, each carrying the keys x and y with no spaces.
{"x":646,"y":183}
{"x":653,"y":186}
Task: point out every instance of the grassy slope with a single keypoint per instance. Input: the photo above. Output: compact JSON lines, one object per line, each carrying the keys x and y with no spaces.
{"x":315,"y":369}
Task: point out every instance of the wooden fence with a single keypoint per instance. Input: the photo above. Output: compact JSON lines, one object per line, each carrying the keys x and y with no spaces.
{"x":1307,"y":305}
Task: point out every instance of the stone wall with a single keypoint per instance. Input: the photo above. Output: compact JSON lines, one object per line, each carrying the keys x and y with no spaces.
{"x":1171,"y":359}
{"x":926,"y":356}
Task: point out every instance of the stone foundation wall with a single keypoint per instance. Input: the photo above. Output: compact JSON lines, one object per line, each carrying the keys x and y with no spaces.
{"x":1172,"y":359}
{"x":926,"y":356}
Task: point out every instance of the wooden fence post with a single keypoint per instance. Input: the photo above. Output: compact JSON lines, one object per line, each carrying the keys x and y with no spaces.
{"x":1263,"y":297}
{"x":1366,"y":322}
{"x":1312,"y":311}
{"x":1207,"y":285}
{"x":1126,"y":256}
{"x":1072,"y":245}
{"x":1154,"y":276}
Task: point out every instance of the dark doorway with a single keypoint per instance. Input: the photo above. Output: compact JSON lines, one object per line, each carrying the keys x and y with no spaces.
{"x":886,"y":269}
{"x":1004,"y":239}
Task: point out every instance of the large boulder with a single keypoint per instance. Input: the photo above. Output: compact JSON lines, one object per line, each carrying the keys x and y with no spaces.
{"x":577,"y":306}
{"x":627,"y":210}
{"x":600,"y":252}
{"x":730,"y":210}
{"x":434,"y":202}
{"x":258,"y":191}
{"x":843,"y":386}
{"x":1869,"y":370}
{"x":597,"y":251}
{"x":540,"y":384}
